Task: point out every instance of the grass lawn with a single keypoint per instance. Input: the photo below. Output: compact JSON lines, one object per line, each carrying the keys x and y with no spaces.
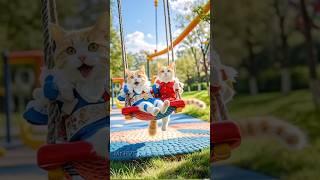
{"x":190,"y":166}
{"x":268,"y":156}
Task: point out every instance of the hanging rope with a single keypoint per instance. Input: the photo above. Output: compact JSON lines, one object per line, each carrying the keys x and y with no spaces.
{"x":170,"y":32}
{"x":156,"y":22}
{"x":49,"y":14}
{"x":123,"y":47}
{"x":166,"y":28}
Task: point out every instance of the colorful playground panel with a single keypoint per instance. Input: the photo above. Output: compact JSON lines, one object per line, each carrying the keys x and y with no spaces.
{"x":130,"y":139}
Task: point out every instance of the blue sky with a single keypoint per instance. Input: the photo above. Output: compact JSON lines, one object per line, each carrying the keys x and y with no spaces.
{"x":139,"y":22}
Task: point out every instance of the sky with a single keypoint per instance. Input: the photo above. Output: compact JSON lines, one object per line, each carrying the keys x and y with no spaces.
{"x":139,"y":22}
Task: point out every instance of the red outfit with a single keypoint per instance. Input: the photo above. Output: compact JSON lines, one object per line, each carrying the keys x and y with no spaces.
{"x":166,"y":91}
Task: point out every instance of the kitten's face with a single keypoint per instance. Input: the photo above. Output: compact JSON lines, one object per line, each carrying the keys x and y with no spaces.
{"x":166,"y":73}
{"x":81,"y":54}
{"x":137,"y":79}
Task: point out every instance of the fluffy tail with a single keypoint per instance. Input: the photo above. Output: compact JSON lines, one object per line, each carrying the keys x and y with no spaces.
{"x":287,"y":133}
{"x":153,"y":126}
{"x":196,"y":102}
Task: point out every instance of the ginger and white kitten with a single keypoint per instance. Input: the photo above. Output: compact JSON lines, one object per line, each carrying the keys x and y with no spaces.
{"x":139,"y":91}
{"x":167,"y":74}
{"x":139,"y":88}
{"x":80,"y":60}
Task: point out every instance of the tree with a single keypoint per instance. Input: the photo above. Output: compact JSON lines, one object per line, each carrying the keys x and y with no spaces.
{"x":312,"y":56}
{"x":197,"y":42}
{"x":282,"y":14}
{"x":242,"y":34}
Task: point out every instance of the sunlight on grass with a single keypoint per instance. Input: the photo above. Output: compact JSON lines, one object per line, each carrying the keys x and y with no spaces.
{"x":269,"y":156}
{"x":193,"y":111}
{"x":195,"y":165}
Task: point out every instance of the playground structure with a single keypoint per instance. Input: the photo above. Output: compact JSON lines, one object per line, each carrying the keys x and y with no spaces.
{"x":22,"y":87}
{"x":115,"y":102}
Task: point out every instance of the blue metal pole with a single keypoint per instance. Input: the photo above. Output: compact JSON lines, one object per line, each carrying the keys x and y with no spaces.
{"x":7,"y":95}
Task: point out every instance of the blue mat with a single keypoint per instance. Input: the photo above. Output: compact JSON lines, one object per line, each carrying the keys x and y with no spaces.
{"x":130,"y":139}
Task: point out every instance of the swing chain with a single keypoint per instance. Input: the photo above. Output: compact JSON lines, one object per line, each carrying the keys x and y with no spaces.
{"x":123,"y":47}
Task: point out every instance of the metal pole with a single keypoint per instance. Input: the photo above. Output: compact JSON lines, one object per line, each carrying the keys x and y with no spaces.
{"x":112,"y":90}
{"x":8,"y":98}
{"x":148,"y":69}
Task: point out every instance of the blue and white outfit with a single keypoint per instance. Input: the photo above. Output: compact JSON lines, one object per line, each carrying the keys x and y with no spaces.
{"x":84,"y":120}
{"x":144,"y":99}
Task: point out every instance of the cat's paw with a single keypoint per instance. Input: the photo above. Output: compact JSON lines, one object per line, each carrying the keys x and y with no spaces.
{"x":165,"y":106}
{"x":50,"y":89}
{"x":155,"y":111}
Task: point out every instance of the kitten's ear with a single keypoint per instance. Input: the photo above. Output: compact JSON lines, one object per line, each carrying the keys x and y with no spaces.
{"x":101,"y":26}
{"x":127,"y":72}
{"x":159,"y":66}
{"x":172,"y":65}
{"x":57,"y":33}
{"x":142,"y":69}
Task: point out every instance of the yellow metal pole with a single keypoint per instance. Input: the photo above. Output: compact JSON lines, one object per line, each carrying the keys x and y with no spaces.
{"x":185,"y":33}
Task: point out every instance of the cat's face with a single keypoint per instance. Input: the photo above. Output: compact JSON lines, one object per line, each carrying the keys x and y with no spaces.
{"x":136,"y":79}
{"x":166,"y":73}
{"x":82,"y":54}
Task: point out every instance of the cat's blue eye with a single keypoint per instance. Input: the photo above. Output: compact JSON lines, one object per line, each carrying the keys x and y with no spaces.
{"x":93,"y":47}
{"x":71,"y":50}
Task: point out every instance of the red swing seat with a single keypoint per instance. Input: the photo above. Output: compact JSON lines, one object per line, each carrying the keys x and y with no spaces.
{"x":79,"y":155}
{"x":225,"y":132}
{"x":225,"y":136}
{"x":133,"y":111}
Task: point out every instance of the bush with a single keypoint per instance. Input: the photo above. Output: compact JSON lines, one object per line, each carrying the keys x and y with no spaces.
{"x":269,"y":80}
{"x":194,"y":86}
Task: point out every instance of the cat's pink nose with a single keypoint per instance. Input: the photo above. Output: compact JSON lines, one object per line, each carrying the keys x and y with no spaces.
{"x":82,"y":58}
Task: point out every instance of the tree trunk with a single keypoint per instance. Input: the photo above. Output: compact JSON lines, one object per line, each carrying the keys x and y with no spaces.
{"x":285,"y":72}
{"x":252,"y":69}
{"x":253,"y":86}
{"x":206,"y":70}
{"x":312,"y":59}
{"x":197,"y":63}
{"x":285,"y":81}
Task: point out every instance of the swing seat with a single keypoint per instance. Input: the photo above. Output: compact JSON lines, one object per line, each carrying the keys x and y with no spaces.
{"x":133,"y":111}
{"x":225,"y":136}
{"x":53,"y":156}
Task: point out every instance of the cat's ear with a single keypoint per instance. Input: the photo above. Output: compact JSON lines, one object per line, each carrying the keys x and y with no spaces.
{"x":57,"y":33}
{"x":142,"y":69}
{"x":172,"y":65}
{"x":101,"y":27}
{"x":159,"y":66}
{"x":127,"y":72}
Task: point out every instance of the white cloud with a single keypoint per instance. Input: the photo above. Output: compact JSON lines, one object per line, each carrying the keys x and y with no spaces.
{"x":149,"y":36}
{"x":182,"y":6}
{"x":136,"y":42}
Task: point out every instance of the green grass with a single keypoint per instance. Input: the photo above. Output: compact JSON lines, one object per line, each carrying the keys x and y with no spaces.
{"x":190,"y":166}
{"x":203,"y":114}
{"x":267,"y":155}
